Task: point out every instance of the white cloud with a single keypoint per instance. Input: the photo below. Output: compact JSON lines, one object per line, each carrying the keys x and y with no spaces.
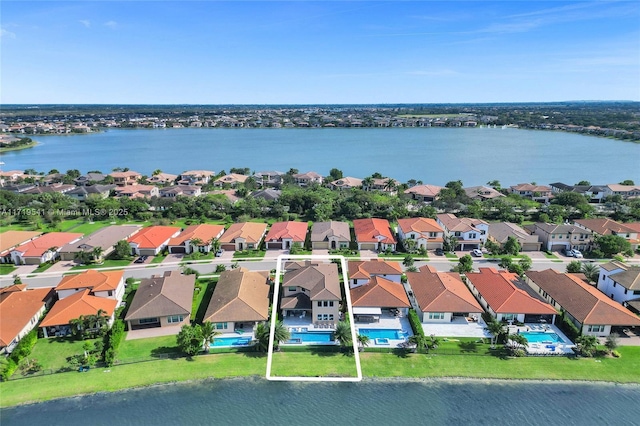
{"x":111,"y":24}
{"x":85,"y":22}
{"x":8,"y":34}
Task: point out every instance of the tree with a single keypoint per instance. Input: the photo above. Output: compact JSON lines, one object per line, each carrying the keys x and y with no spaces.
{"x":450,"y":243}
{"x":209,"y":333}
{"x":189,"y":339}
{"x":495,"y":184}
{"x":516,"y":343}
{"x":343,"y":333}
{"x":512,"y":246}
{"x":505,"y":262}
{"x":492,"y":247}
{"x":122,"y":250}
{"x":516,"y":268}
{"x":612,"y":244}
{"x":156,"y":172}
{"x":586,"y":345}
{"x":363,"y":341}
{"x":465,"y":264}
{"x":220,"y":268}
{"x":410,"y":245}
{"x":627,"y":182}
{"x":574,"y":267}
{"x":583,"y":183}
{"x":591,"y":271}
{"x":494,"y":327}
{"x":525,"y":262}
{"x":335,"y":174}
{"x":612,"y":342}
{"x":408,"y":261}
{"x":196,"y":243}
{"x":96,"y":253}
{"x":419,"y":341}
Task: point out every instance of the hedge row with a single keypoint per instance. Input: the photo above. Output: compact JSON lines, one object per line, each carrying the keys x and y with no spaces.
{"x":22,"y":350}
{"x":416,"y":324}
{"x":112,"y":342}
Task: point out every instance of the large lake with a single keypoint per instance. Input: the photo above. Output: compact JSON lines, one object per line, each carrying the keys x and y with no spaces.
{"x":433,"y":155}
{"x":258,"y":402}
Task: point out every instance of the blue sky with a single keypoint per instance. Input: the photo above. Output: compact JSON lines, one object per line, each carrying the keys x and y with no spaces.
{"x":265,"y":52}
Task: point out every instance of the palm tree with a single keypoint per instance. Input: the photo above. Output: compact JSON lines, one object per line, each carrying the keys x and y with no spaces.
{"x":591,"y":271}
{"x":363,"y":340}
{"x":262,"y":337}
{"x":195,"y":243}
{"x":156,"y":172}
{"x":495,"y":328}
{"x":587,"y":345}
{"x":420,"y":341}
{"x":281,"y":334}
{"x":367,"y":183}
{"x":96,"y":253}
{"x":516,"y":342}
{"x":209,"y":333}
{"x":343,"y":333}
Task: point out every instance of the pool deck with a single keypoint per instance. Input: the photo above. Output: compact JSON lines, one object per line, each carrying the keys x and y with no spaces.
{"x":244,"y":335}
{"x":539,"y":348}
{"x":459,"y":327}
{"x":391,"y":323}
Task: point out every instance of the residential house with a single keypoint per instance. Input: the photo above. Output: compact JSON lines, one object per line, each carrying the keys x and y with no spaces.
{"x":163,"y":179}
{"x":619,"y":281}
{"x":604,"y":226}
{"x":49,"y":189}
{"x":625,"y":191}
{"x":306,"y":179}
{"x":425,"y":232}
{"x":374,"y":234}
{"x":378,"y":297}
{"x":107,"y":284}
{"x":196,"y":177}
{"x":11,"y":176}
{"x":313,"y":292}
{"x":482,"y":193}
{"x":282,"y":235}
{"x":362,"y":271}
{"x":204,"y":234}
{"x":89,"y":179}
{"x":539,"y":193}
{"x":12,"y":239}
{"x":269,"y":178}
{"x":229,"y":194}
{"x":506,"y":298}
{"x":152,"y":240}
{"x":230,"y":180}
{"x":20,"y":311}
{"x":424,"y":193}
{"x":471,"y":233}
{"x":330,"y":235}
{"x":137,"y":191}
{"x":81,"y":193}
{"x":596,"y":193}
{"x":442,"y":297}
{"x":125,"y":178}
{"x":239,"y":301}
{"x":500,"y":232}
{"x":42,"y":249}
{"x":243,"y":236}
{"x":557,"y":237}
{"x":346,"y":183}
{"x":104,"y":239}
{"x":592,"y":312}
{"x":184,"y":190}
{"x":268,"y":194}
{"x":162,"y":301}
{"x":385,"y":184}
{"x":81,"y":303}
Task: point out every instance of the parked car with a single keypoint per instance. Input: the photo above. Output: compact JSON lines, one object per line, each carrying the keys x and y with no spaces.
{"x":141,"y":259}
{"x":577,"y":254}
{"x":439,"y":252}
{"x":476,"y":252}
{"x":219,"y":252}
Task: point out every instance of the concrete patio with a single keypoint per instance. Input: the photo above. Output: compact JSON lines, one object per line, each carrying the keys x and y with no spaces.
{"x":459,"y":327}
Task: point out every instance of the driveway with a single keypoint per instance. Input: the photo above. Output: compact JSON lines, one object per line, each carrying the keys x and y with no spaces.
{"x":173,"y":258}
{"x":62,"y":266}
{"x":368,"y":254}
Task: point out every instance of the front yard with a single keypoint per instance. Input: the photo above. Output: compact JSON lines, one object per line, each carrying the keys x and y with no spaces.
{"x":256,"y":254}
{"x":107,"y":263}
{"x":7,"y":269}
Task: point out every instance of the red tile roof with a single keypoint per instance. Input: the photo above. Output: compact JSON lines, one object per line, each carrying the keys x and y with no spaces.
{"x":153,"y":236}
{"x":80,"y":303}
{"x":17,"y":308}
{"x":380,"y":292}
{"x":364,"y":269}
{"x":39,"y":246}
{"x":441,"y":292}
{"x":93,"y":280}
{"x":297,"y":231}
{"x":502,"y":295}
{"x":205,"y":232}
{"x":251,"y":232}
{"x":420,"y":225}
{"x":373,"y":230}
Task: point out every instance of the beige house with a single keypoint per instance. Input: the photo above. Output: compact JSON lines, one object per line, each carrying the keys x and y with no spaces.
{"x":426,"y":232}
{"x":230,"y":180}
{"x":330,"y":235}
{"x":243,"y":236}
{"x":104,"y":239}
{"x":125,"y":178}
{"x":162,"y":301}
{"x":12,"y":239}
{"x":499,"y":233}
{"x":557,"y":237}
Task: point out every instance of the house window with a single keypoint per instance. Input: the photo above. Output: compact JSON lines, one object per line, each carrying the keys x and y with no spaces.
{"x":325,"y":303}
{"x":433,"y":234}
{"x":110,"y":293}
{"x":595,"y":329}
{"x":147,"y":320}
{"x":325,"y":317}
{"x":292,"y":289}
{"x":319,"y":317}
{"x":636,"y":292}
{"x":330,"y":317}
{"x":614,"y":284}
{"x":457,"y":233}
{"x":319,"y":303}
{"x":221,"y":326}
{"x":473,"y":236}
{"x":250,"y":246}
{"x":436,"y":315}
{"x":175,"y":319}
{"x":331,"y":303}
{"x":510,"y":317}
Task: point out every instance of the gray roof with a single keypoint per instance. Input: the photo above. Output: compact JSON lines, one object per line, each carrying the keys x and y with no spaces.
{"x":240,"y":295}
{"x":629,"y":279}
{"x":321,"y":280}
{"x":171,"y":294}
{"x":321,"y":231}
{"x":93,"y":189}
{"x":503,"y":230}
{"x":267,"y":194}
{"x":104,"y":238}
{"x":552,"y":228}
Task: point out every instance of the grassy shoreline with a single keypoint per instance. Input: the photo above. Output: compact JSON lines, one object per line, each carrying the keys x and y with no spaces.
{"x":375,"y":366}
{"x":17,"y":148}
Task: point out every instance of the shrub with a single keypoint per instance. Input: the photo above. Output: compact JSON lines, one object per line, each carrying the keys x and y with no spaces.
{"x":113,"y":340}
{"x":416,"y":324}
{"x":24,"y":346}
{"x":569,"y":329}
{"x":10,"y":367}
{"x":615,"y":354}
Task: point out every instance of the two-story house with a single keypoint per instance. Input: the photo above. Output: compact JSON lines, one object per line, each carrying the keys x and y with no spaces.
{"x":125,"y":178}
{"x":424,"y":193}
{"x":306,"y":179}
{"x":426,"y":232}
{"x":471,"y":233}
{"x":619,"y":281}
{"x":195,"y":177}
{"x":557,"y":237}
{"x":605,"y":226}
{"x":539,"y":193}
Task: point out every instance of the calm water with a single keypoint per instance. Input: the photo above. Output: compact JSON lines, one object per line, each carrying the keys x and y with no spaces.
{"x":258,"y":402}
{"x":432,"y":155}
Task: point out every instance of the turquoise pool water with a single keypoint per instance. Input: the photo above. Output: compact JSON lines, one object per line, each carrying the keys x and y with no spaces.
{"x":382,"y":333}
{"x":230,"y":341}
{"x":312,"y":337}
{"x":541,"y":337}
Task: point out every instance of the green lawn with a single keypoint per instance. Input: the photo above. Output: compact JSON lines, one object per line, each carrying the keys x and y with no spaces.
{"x":87,"y":228}
{"x":201,"y":298}
{"x":108,"y":263}
{"x":157,"y":259}
{"x":249,"y":253}
{"x":451,"y":256}
{"x":549,"y":255}
{"x":6,"y":269}
{"x":43,"y":267}
{"x":139,"y":349}
{"x":314,"y":363}
{"x":52,"y":353}
{"x":41,"y":388}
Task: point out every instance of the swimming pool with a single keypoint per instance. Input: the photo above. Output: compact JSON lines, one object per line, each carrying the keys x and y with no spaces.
{"x":541,"y":337}
{"x":230,"y":341}
{"x":383,"y":333}
{"x":312,"y":337}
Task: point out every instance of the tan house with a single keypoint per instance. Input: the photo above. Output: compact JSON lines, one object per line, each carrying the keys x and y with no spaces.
{"x":306,"y":179}
{"x":138,"y":191}
{"x":42,"y":249}
{"x":105,"y":239}
{"x":203,"y":233}
{"x":426,"y":232}
{"x":346,"y":183}
{"x":499,"y":233}
{"x":282,"y":235}
{"x":330,"y":235}
{"x":557,"y":237}
{"x":230,"y":180}
{"x":162,"y":179}
{"x":424,"y":193}
{"x":239,"y":301}
{"x":482,"y":193}
{"x":106,"y":284}
{"x":539,"y":193}
{"x":12,"y":239}
{"x":362,"y":271}
{"x":243,"y":236}
{"x":374,"y":234}
{"x":605,"y":226}
{"x":196,"y":177}
{"x":125,"y":178}
{"x":20,"y":311}
{"x":312,"y":292}
{"x":162,"y":301}
{"x":471,"y":233}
